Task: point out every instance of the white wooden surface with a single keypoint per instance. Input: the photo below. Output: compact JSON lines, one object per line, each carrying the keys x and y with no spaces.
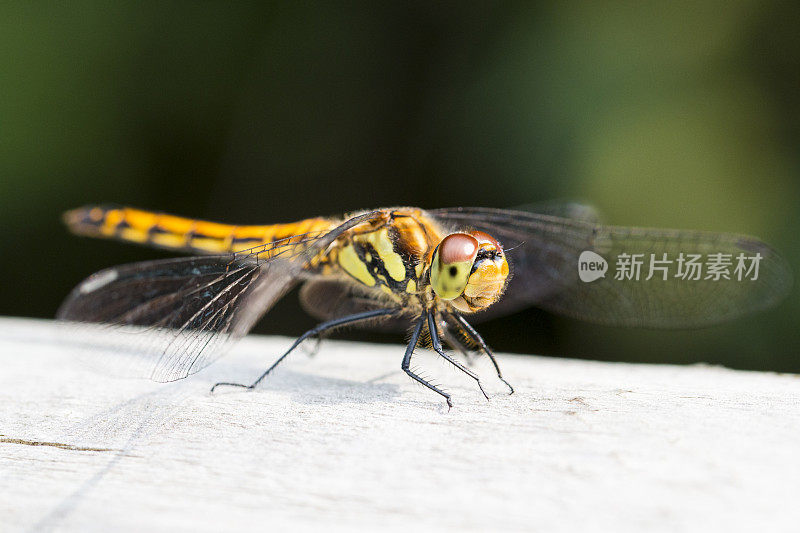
{"x":345,"y":440}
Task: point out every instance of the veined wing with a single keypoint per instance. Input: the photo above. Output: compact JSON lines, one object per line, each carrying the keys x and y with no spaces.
{"x":563,"y":209}
{"x":167,"y":319}
{"x":544,"y":254}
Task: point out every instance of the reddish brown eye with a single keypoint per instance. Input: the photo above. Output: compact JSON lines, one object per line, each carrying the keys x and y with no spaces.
{"x":483,"y":237}
{"x":458,"y":248}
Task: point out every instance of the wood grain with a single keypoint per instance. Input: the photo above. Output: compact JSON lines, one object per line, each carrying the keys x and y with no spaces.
{"x":345,"y":441}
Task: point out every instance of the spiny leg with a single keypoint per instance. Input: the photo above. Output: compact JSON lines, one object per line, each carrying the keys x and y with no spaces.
{"x":406,"y":365}
{"x":437,"y":345}
{"x":310,"y":333}
{"x":478,"y":339}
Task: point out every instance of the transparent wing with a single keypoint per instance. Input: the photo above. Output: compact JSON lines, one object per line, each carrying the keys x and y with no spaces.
{"x":167,"y":319}
{"x":563,"y":209}
{"x":544,"y":252}
{"x":327,"y":299}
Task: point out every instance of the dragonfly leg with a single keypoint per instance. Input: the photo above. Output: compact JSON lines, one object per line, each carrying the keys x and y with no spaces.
{"x":437,"y":345}
{"x":406,"y":365}
{"x":310,"y":333}
{"x":482,"y":343}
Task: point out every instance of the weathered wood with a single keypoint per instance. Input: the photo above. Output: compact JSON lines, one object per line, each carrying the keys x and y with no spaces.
{"x":345,"y":440}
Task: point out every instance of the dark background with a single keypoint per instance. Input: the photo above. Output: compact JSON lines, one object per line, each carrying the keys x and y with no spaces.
{"x":664,"y":114}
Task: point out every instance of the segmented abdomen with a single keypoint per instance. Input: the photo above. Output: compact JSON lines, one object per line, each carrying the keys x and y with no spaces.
{"x":184,"y":234}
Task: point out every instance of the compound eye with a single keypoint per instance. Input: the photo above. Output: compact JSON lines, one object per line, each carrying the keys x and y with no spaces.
{"x":452,"y":263}
{"x":485,"y":238}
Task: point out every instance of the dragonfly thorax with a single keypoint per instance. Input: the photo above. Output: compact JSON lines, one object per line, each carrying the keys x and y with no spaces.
{"x":390,"y":254}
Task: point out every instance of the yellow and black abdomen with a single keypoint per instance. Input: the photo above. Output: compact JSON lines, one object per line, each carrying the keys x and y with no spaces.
{"x":184,"y":234}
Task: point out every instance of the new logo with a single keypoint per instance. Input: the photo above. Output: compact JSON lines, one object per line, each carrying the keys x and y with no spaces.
{"x":591,"y":266}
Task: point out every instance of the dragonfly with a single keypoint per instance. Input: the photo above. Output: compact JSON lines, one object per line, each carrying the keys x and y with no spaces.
{"x":434,"y":273}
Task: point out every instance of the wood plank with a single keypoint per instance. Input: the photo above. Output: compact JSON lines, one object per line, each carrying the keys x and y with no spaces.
{"x":344,"y":440}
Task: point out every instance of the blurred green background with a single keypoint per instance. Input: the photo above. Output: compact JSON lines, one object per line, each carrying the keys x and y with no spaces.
{"x":672,"y":114}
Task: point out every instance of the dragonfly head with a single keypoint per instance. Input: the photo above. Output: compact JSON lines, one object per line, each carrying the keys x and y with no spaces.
{"x":469,"y":270}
